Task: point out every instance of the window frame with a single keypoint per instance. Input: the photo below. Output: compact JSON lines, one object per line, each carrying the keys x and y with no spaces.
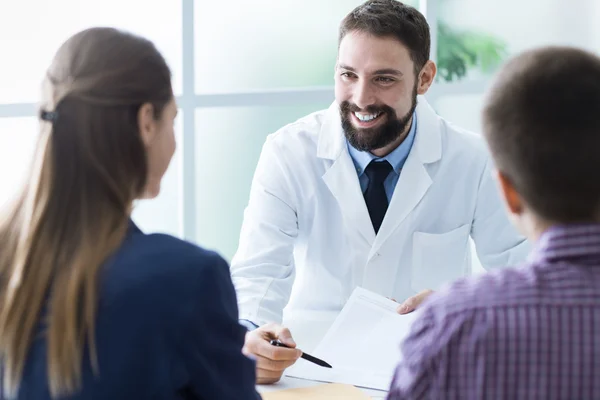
{"x":189,"y":101}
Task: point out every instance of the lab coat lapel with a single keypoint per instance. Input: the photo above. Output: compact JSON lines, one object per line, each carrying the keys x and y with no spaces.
{"x":341,"y":177}
{"x":414,"y":180}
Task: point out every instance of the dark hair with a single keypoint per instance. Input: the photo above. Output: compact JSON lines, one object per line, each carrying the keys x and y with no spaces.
{"x":90,"y":165}
{"x":542,"y":123}
{"x":383,"y":18}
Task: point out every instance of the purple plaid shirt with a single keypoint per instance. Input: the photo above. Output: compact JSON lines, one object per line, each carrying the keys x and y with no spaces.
{"x":531,"y":332}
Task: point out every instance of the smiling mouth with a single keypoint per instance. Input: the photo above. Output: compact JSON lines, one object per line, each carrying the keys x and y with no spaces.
{"x":363,"y":119}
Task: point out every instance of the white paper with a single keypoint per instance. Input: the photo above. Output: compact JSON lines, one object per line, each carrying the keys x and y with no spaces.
{"x":362,"y":345}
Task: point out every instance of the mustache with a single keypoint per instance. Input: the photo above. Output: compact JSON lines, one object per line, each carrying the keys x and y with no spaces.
{"x":347,"y":107}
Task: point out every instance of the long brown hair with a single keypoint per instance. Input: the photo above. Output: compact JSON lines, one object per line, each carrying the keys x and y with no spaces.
{"x":89,"y":166}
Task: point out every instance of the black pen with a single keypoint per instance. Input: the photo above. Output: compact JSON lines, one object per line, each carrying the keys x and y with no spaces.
{"x":307,"y":357}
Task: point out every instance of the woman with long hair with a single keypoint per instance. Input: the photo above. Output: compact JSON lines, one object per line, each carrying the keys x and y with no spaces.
{"x":91,"y":307}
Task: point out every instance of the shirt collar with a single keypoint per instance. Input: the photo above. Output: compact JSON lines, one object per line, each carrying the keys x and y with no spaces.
{"x":396,"y":158}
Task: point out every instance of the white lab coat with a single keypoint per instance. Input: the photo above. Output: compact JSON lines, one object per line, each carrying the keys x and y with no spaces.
{"x":307,"y":240}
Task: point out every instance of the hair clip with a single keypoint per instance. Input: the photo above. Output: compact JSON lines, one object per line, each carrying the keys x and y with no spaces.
{"x":50,"y":116}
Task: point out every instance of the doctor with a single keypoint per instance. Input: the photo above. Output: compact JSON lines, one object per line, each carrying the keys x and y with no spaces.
{"x":377,"y":191}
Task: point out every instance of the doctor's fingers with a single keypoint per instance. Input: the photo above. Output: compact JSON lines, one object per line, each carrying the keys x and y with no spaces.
{"x":276,"y":353}
{"x":273,"y":365}
{"x":264,"y":376}
{"x":411,"y":304}
{"x":260,"y":347}
{"x":275,"y":331}
{"x":284,"y":335}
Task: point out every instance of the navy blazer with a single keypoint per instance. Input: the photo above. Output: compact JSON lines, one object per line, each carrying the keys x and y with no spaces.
{"x":166,"y":328}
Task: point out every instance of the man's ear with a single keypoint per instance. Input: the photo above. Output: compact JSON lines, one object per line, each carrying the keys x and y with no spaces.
{"x":426,"y":77}
{"x":146,"y":123}
{"x":511,"y":197}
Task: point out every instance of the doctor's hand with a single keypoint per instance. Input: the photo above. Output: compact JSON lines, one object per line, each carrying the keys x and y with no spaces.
{"x":271,"y":360}
{"x":413,"y":302}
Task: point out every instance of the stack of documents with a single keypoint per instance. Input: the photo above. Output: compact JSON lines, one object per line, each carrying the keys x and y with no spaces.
{"x":362,"y":345}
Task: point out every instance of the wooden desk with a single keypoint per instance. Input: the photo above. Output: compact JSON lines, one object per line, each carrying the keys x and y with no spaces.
{"x":288,"y":382}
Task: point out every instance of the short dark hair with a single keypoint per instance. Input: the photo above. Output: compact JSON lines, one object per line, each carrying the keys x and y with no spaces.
{"x":383,"y":18}
{"x":541,"y":120}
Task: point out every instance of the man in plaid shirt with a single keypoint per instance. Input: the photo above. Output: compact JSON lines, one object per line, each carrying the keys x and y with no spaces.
{"x":530,"y":332}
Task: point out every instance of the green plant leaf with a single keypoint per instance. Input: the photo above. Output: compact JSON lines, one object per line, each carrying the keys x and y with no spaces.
{"x":458,"y":51}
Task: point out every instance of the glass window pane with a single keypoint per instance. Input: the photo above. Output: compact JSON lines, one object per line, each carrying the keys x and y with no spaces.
{"x":261,"y":44}
{"x":229,"y":142}
{"x":463,"y":110}
{"x":17,"y":144}
{"x":475,"y":37}
{"x":479,"y":34}
{"x":162,"y":214}
{"x":32,"y":31}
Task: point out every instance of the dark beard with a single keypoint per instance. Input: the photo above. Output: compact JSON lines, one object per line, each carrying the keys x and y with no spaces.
{"x":375,"y":138}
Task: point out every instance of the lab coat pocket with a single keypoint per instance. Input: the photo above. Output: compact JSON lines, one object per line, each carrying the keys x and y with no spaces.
{"x":439,"y":258}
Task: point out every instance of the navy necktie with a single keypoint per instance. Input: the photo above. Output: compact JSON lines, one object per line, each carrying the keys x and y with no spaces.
{"x":375,"y":197}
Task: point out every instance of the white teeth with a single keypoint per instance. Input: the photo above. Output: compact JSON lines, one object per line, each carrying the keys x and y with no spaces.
{"x":366,"y":117}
